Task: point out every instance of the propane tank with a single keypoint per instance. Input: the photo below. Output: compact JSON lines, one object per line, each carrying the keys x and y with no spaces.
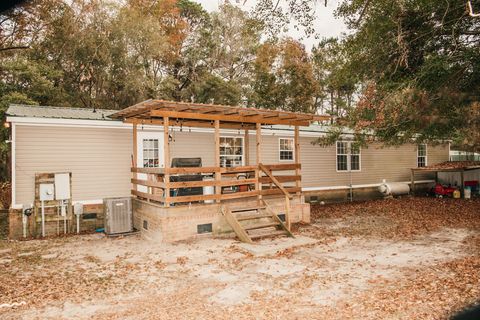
{"x":394,"y":188}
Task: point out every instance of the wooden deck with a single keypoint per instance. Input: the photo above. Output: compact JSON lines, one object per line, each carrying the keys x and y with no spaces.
{"x":257,"y":180}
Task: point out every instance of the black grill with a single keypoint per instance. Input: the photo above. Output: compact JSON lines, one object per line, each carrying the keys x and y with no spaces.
{"x":186,"y":163}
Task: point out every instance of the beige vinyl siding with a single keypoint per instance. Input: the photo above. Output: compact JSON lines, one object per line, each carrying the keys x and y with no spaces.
{"x":270,"y":149}
{"x":194,"y":144}
{"x":99,"y":159}
{"x":377,"y":163}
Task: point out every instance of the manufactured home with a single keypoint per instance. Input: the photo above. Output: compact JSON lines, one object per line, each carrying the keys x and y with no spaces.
{"x":230,"y":156}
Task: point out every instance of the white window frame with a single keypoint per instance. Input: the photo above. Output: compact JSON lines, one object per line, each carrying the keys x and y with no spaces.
{"x":280,"y":150}
{"x":144,"y":135}
{"x":349,"y":157}
{"x":425,"y":156}
{"x":151,"y":149}
{"x":243,"y":149}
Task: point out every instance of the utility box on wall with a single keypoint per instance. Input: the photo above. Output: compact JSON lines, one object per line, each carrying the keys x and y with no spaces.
{"x":62,"y":186}
{"x":46,"y":191}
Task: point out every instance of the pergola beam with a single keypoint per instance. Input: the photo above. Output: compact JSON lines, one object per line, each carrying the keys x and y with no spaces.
{"x":191,"y":123}
{"x":223,"y":117}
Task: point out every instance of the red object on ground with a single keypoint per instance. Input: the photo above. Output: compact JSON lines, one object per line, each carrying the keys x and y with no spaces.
{"x":441,"y":190}
{"x":472,"y":183}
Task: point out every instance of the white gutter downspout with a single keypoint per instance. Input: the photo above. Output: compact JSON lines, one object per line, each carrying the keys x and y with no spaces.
{"x":12,"y":164}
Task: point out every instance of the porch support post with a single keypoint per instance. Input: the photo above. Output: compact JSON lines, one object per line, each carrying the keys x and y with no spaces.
{"x":134,"y":154}
{"x":412,"y":182}
{"x":218,"y":176}
{"x":246,"y":142}
{"x":298,"y":183}
{"x":258,"y":136}
{"x":166,"y":160}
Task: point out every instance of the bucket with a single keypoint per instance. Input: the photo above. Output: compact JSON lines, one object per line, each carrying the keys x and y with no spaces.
{"x":456,"y":194}
{"x":242,"y":187}
{"x":467,"y":193}
{"x":208,"y":189}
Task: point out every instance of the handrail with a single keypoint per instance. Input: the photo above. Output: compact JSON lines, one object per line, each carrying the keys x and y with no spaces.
{"x":287,"y":194}
{"x":274,"y":180}
{"x":156,"y":183}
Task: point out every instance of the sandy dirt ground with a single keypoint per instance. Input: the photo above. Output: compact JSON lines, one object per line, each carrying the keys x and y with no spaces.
{"x":393,"y":259}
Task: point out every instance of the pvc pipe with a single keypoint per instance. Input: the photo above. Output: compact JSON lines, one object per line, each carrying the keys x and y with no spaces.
{"x":24,"y":222}
{"x":43,"y":219}
{"x":64,"y":214}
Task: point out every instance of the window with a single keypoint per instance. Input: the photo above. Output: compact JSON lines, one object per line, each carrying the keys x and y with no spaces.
{"x":342,"y":156}
{"x":286,"y":149}
{"x":354,"y":157}
{"x":150,"y":153}
{"x":231,"y":151}
{"x":348,"y":156}
{"x":422,"y":155}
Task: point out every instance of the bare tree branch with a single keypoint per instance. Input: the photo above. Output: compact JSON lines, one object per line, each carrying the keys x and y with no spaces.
{"x":14,"y":48}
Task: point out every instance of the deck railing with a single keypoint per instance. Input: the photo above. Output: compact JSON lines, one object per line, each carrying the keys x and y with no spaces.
{"x":229,"y":183}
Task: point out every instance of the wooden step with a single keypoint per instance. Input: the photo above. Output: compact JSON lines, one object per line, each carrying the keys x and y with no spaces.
{"x":253,"y":216}
{"x":251,"y":208}
{"x":236,"y":226}
{"x":275,"y":233}
{"x":261,"y":225}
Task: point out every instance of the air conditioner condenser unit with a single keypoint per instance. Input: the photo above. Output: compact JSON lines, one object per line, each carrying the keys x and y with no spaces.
{"x":118,"y":215}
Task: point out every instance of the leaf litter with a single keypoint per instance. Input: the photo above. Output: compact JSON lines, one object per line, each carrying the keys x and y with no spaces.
{"x":410,"y":258}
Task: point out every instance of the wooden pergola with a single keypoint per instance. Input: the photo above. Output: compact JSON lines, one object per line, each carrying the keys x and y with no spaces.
{"x":170,"y":113}
{"x":204,"y":115}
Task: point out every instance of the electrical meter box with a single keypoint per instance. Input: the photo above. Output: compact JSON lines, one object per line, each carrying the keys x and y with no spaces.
{"x":78,"y":208}
{"x":47,"y":191}
{"x":62,"y":186}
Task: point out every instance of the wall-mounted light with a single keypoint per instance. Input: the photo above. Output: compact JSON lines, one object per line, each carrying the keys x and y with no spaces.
{"x":6,"y":125}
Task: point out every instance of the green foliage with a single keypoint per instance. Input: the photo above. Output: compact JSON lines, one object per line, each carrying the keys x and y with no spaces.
{"x":5,"y":101}
{"x":337,"y":83}
{"x":407,"y":70}
{"x":284,"y":78}
{"x":420,"y":63}
{"x":412,"y":64}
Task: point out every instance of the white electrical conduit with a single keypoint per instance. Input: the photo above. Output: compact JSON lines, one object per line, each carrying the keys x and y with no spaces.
{"x":43,"y":219}
{"x":24,"y":222}
{"x":78,"y":223}
{"x":63,"y":211}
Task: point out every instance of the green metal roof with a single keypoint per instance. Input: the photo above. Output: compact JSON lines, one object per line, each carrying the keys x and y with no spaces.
{"x":20,"y":110}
